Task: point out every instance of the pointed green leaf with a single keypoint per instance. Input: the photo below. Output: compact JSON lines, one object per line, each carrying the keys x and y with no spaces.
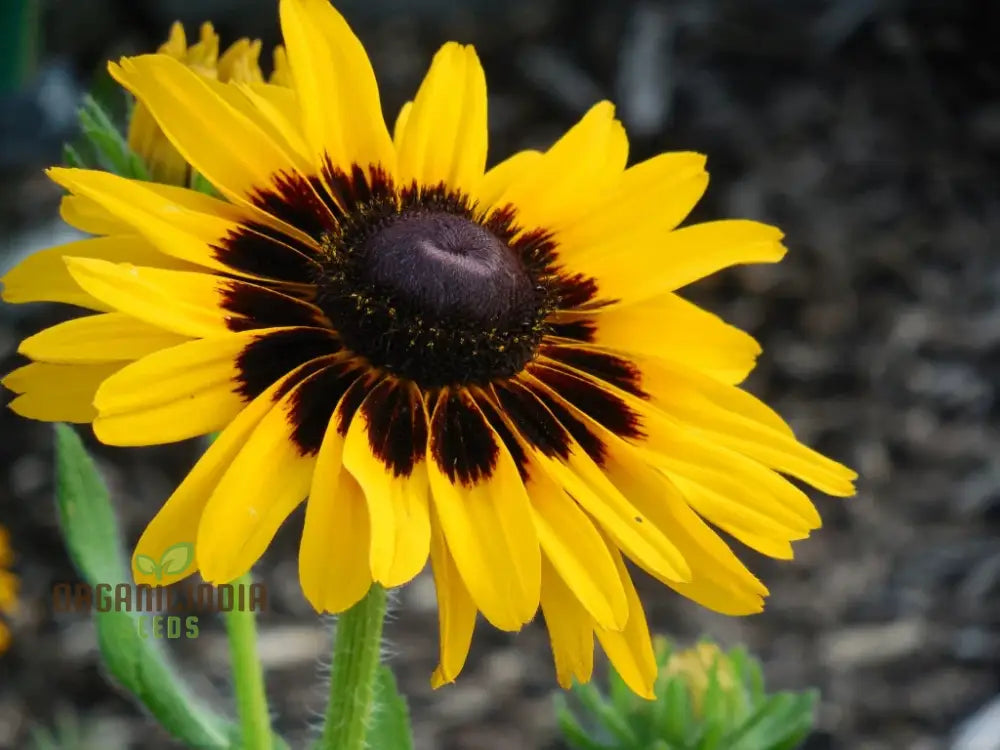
{"x":390,"y":726}
{"x":605,"y":712}
{"x":798,"y":722}
{"x":88,"y":522}
{"x":112,"y":151}
{"x":779,"y":718}
{"x":622,"y":697}
{"x":713,"y":703}
{"x":71,"y":157}
{"x":676,"y":718}
{"x":132,"y":655}
{"x":574,"y":734}
{"x":712,"y":738}
{"x":755,"y":681}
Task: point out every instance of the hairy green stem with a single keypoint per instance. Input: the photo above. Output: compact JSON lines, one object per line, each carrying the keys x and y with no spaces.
{"x":356,"y":652}
{"x":248,"y":675}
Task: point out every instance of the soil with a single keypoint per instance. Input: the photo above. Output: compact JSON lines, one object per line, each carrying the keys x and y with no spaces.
{"x":870,"y":132}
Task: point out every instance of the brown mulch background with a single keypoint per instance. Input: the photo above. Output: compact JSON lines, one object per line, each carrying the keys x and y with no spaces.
{"x":870,"y":132}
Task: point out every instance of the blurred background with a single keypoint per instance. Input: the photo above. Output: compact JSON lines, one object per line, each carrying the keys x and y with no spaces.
{"x":869,"y":130}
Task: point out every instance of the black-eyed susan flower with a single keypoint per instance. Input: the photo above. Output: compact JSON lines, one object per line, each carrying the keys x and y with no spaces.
{"x":8,"y":587}
{"x":239,"y":63}
{"x":491,"y":369}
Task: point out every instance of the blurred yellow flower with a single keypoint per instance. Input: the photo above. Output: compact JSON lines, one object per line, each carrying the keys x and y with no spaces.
{"x":694,"y":666}
{"x":238,"y":64}
{"x":8,"y":587}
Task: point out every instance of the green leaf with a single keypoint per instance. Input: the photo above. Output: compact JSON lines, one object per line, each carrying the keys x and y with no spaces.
{"x":176,"y":559}
{"x":713,"y":702}
{"x":574,"y":734}
{"x":110,"y":149}
{"x":781,"y":718}
{"x":622,"y":697}
{"x":711,"y":738}
{"x":676,"y":718}
{"x":390,"y":726}
{"x":138,"y":663}
{"x":600,"y":709}
{"x":88,"y":522}
{"x":755,"y":681}
{"x":798,"y":722}
{"x":71,"y":157}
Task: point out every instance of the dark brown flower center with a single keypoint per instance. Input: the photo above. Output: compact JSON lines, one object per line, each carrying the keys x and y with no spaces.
{"x":450,"y":265}
{"x":434,"y":297}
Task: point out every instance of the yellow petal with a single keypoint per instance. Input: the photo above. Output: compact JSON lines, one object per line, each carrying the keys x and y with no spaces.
{"x":719,"y":580}
{"x":341,"y":112}
{"x":87,"y":216}
{"x":777,"y":451}
{"x":57,"y":392}
{"x":270,"y":109}
{"x":184,"y":302}
{"x":110,"y":337}
{"x":174,"y":394}
{"x":739,"y":490}
{"x":570,"y":628}
{"x":486,"y":518}
{"x":396,"y":489}
{"x":281,"y":75}
{"x":576,"y":552}
{"x":233,"y":152}
{"x":240,"y":63}
{"x":748,"y":488}
{"x":97,"y":219}
{"x":672,"y":328}
{"x":444,"y":139}
{"x":670,"y":382}
{"x":649,"y":200}
{"x":203,"y":55}
{"x":177,"y":521}
{"x":456,"y":611}
{"x":148,"y":141}
{"x":191,"y":304}
{"x":248,"y":505}
{"x":176,"y":44}
{"x":631,"y":650}
{"x":592,"y":153}
{"x":724,"y":506}
{"x":278,"y":107}
{"x":644,"y":267}
{"x":737,"y":420}
{"x":612,"y":511}
{"x":180,"y":223}
{"x":333,"y":557}
{"x":44,"y":277}
{"x":500,"y":177}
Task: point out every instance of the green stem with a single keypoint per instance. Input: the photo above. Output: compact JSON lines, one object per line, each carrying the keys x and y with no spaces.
{"x":356,"y":651}
{"x":248,"y":676}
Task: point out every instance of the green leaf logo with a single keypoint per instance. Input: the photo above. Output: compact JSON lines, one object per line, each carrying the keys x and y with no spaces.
{"x":145,"y":564}
{"x":174,"y":561}
{"x":177,"y":558}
